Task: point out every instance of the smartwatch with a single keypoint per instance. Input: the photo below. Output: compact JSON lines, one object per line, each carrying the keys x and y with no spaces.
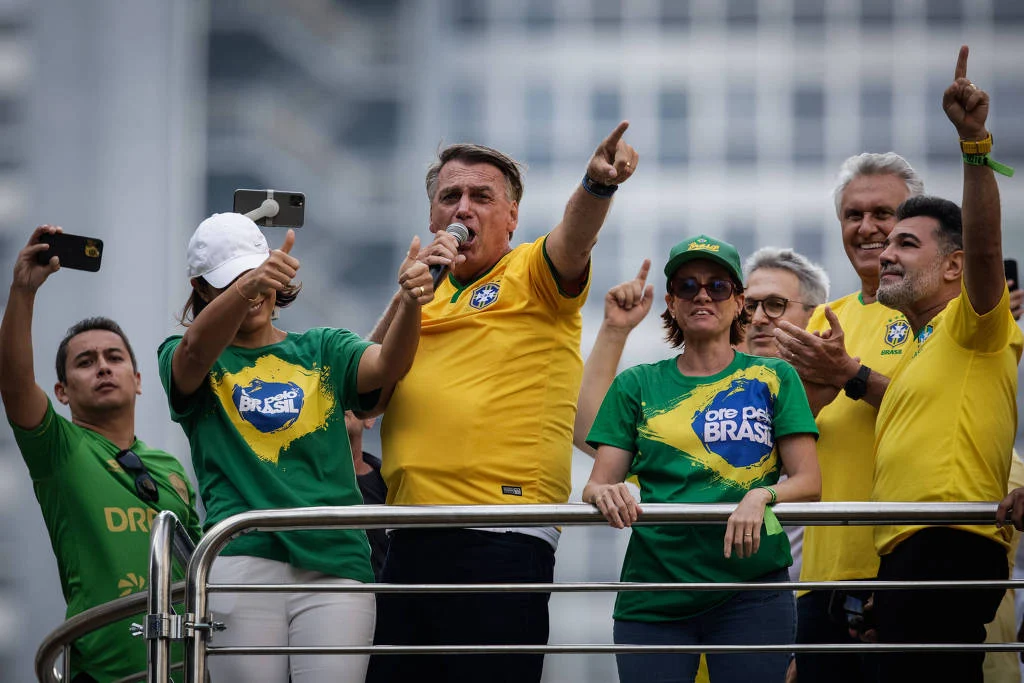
{"x":857,"y":386}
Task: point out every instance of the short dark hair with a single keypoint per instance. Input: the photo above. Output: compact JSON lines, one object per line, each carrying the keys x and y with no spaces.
{"x":950,"y":232}
{"x":196,"y":303}
{"x":737,"y":332}
{"x":478,"y":154}
{"x":87,"y":325}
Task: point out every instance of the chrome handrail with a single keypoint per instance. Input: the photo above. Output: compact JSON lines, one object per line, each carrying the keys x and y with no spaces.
{"x":568,"y":514}
{"x":197,"y":622}
{"x":88,"y":621}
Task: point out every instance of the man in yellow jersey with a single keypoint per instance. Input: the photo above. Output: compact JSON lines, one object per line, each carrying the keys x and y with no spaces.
{"x":845,"y":356}
{"x":485,"y":416}
{"x":947,"y":421}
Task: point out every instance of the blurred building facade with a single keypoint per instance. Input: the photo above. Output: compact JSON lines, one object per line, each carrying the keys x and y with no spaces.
{"x":742,"y":110}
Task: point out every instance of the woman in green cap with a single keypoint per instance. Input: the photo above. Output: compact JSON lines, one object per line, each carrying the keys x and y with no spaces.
{"x":711,"y":425}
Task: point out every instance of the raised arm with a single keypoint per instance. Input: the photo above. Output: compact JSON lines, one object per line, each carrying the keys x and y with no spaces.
{"x":216,"y":326}
{"x":625,"y":305}
{"x":382,"y":365}
{"x":967,"y":108}
{"x":572,"y":240}
{"x":24,"y":400}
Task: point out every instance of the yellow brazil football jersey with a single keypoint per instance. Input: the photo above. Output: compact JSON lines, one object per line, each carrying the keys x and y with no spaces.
{"x":878,"y":336}
{"x":946,"y":426}
{"x":485,"y":415}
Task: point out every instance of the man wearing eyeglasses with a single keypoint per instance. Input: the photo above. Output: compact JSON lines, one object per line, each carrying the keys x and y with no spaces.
{"x":99,"y":487}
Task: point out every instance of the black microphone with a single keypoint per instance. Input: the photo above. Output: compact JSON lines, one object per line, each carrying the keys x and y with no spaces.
{"x":461,"y":234}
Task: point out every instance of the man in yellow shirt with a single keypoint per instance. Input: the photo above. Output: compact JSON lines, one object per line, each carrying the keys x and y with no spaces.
{"x":485,"y":415}
{"x":850,"y":347}
{"x":947,"y":421}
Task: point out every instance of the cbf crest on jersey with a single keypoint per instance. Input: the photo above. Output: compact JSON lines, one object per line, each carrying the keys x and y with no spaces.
{"x":897,"y":332}
{"x":484,"y":295}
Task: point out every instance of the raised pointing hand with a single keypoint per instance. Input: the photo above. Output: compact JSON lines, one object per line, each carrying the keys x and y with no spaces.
{"x":614,"y":160}
{"x":965,"y":104}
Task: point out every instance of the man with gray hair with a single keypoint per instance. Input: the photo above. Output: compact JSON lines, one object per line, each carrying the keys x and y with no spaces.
{"x":845,"y":393}
{"x":781,"y":285}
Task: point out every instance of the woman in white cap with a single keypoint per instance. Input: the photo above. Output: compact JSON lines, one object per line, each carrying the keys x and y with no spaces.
{"x":264,"y":412}
{"x":711,"y":425}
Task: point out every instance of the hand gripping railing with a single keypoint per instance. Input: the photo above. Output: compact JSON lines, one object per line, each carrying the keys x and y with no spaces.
{"x":168,"y":541}
{"x":392,"y":517}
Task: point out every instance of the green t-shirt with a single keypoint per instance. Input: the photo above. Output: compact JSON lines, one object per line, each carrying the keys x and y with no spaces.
{"x":99,"y":529}
{"x":699,"y":440}
{"x":267,"y":430}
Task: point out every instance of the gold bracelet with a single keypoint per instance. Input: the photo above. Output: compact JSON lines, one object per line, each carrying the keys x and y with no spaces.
{"x":255,"y":300}
{"x":976,"y":146}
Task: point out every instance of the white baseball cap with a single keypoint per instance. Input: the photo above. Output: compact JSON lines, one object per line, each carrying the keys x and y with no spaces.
{"x":223,"y":247}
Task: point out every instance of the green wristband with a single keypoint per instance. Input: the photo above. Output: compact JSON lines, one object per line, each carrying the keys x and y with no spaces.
{"x":770,"y":490}
{"x":771,"y":522}
{"x":986,"y":160}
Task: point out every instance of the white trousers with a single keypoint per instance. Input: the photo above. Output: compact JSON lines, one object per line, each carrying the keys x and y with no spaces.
{"x":299,"y":619}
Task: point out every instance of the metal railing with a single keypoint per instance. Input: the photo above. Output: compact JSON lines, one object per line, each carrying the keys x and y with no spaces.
{"x":168,"y":541}
{"x":195,"y":625}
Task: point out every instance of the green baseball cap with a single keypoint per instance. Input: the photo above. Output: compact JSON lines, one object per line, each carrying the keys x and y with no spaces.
{"x":704,"y":247}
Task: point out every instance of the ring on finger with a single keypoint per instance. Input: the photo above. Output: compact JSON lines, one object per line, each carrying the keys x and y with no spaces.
{"x":419,"y":291}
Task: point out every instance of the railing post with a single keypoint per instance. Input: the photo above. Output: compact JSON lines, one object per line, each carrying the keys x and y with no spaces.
{"x":160,"y":612}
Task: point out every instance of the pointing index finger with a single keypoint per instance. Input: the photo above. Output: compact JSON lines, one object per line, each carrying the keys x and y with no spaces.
{"x":645,"y":268}
{"x":613,"y":139}
{"x":961,"y":64}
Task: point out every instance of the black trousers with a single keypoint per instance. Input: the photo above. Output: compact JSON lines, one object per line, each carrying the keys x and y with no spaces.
{"x":938,"y":616}
{"x":463,"y":556}
{"x":817,"y":623}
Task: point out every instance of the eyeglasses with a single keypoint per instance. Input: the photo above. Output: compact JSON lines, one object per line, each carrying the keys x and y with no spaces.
{"x":718,"y":289}
{"x":773,"y":306}
{"x":145,"y":486}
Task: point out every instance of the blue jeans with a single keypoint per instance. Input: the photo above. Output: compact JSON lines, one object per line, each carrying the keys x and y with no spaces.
{"x":766,"y":617}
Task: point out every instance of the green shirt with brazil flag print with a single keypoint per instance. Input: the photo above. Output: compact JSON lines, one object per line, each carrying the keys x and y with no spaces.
{"x":699,"y":440}
{"x":99,"y":529}
{"x":267,"y":430}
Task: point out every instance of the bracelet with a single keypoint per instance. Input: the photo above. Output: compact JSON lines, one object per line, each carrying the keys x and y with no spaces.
{"x":986,"y":160}
{"x":770,"y":490}
{"x":253,"y":301}
{"x":976,"y":146}
{"x":598,"y":189}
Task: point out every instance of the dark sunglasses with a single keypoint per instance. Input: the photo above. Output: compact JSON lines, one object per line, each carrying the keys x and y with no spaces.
{"x":145,"y":486}
{"x":718,"y":289}
{"x":773,"y":306}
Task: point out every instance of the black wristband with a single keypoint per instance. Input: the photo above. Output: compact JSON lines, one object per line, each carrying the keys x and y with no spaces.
{"x":856,"y":387}
{"x":597,"y":189}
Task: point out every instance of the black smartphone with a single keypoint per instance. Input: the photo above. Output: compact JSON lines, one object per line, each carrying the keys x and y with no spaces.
{"x":74,"y":251}
{"x":291,"y":207}
{"x":847,"y":609}
{"x":1010,"y":270}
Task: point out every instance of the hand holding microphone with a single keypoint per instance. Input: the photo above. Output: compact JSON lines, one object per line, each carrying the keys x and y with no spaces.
{"x":438,"y":270}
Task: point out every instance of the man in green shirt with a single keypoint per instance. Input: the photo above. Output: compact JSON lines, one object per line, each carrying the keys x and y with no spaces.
{"x":98,"y":486}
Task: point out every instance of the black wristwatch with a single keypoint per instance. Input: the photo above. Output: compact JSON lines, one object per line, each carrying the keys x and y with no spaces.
{"x":857,"y":386}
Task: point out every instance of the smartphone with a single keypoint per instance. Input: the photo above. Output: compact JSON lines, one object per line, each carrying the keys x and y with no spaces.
{"x":74,"y":251}
{"x":847,"y":609}
{"x":291,"y":212}
{"x":1010,"y":270}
